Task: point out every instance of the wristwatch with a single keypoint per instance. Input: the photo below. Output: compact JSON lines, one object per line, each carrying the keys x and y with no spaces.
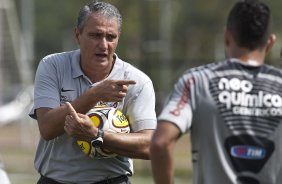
{"x":98,"y":140}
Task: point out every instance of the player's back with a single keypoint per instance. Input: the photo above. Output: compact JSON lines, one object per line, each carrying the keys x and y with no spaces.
{"x":236,"y":131}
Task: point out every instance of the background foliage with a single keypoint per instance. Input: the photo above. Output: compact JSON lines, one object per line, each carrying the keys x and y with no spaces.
{"x":193,"y":33}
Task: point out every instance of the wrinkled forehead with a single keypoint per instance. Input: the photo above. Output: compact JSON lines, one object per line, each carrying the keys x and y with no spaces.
{"x":96,"y":22}
{"x":103,"y":18}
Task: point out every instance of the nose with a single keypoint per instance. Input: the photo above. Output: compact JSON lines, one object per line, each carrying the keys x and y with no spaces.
{"x":103,"y":43}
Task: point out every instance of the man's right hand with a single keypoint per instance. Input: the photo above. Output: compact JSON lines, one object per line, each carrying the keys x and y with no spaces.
{"x":112,"y":90}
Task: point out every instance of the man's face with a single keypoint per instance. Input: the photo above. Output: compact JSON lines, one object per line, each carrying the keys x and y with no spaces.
{"x":98,"y":41}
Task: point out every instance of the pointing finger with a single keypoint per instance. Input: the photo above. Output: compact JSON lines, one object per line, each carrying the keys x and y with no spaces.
{"x":72,"y":111}
{"x":126,"y":82}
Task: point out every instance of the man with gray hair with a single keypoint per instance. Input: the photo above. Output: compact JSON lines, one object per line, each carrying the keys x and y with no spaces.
{"x":70,"y":84}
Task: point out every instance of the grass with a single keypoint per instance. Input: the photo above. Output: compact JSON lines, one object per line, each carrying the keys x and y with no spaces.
{"x":18,"y":145}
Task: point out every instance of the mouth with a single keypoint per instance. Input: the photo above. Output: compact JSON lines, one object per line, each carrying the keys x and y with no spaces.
{"x":101,"y":55}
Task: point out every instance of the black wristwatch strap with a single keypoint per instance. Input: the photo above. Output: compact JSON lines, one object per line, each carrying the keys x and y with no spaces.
{"x":98,"y":140}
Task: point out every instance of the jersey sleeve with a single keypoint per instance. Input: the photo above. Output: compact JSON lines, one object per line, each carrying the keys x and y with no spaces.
{"x":142,"y":109}
{"x":177,"y":109}
{"x":46,"y":90}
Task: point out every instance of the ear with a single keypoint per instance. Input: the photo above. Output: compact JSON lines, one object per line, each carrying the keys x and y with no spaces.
{"x":226,"y":37}
{"x":77,"y":35}
{"x":270,"y":42}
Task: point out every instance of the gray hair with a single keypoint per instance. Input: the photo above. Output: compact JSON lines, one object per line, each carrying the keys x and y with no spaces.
{"x":100,"y":8}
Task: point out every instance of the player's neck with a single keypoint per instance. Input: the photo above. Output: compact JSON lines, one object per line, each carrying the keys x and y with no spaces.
{"x":255,"y":57}
{"x":97,"y":74}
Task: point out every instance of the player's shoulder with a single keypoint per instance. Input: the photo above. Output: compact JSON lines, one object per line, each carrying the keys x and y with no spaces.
{"x":60,"y":56}
{"x":206,"y":68}
{"x":60,"y":61}
{"x":272,"y":70}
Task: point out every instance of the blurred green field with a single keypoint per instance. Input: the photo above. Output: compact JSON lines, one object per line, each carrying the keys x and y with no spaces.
{"x":18,"y":145}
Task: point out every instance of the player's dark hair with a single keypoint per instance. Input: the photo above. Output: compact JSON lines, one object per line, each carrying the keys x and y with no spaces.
{"x":100,"y":8}
{"x":250,"y":23}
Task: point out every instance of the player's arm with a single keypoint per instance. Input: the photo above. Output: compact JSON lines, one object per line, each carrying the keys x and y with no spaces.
{"x":161,"y":149}
{"x":51,"y":121}
{"x":132,"y":145}
{"x":141,"y":113}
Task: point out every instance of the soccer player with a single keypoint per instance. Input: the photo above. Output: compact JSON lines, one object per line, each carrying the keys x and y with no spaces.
{"x":232,"y":108}
{"x":91,"y":76}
